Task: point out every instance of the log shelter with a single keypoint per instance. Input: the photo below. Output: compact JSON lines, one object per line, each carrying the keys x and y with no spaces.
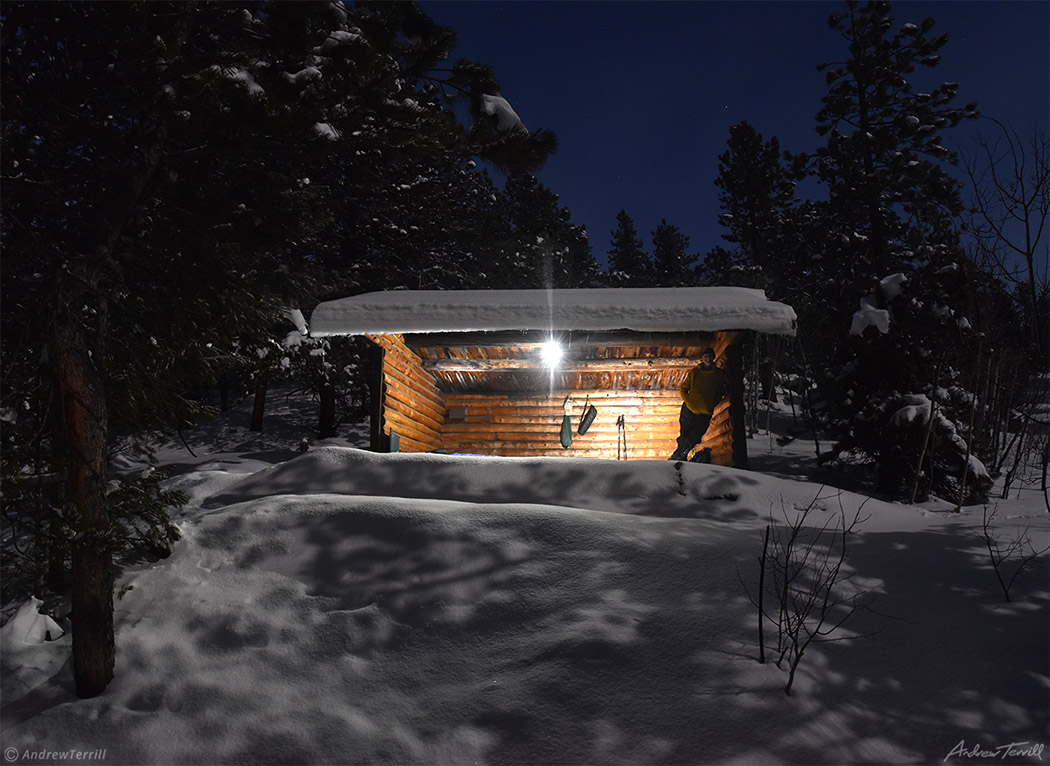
{"x":467,"y":371}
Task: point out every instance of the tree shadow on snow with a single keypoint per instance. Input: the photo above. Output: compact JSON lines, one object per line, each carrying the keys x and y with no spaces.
{"x":657,"y":488}
{"x":584,"y":639}
{"x":622,"y":674}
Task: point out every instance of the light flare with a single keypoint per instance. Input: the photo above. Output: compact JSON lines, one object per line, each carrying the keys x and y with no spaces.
{"x":551,"y":352}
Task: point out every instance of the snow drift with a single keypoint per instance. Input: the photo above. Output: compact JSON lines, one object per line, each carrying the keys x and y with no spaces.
{"x":347,"y":607}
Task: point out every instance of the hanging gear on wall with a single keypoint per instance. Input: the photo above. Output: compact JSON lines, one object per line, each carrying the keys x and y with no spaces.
{"x":590,"y":412}
{"x":566,"y":424}
{"x":621,"y":438}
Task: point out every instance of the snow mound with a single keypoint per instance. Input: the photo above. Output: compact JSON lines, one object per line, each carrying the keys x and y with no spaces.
{"x":646,"y":487}
{"x":484,"y":619}
{"x":29,"y":626}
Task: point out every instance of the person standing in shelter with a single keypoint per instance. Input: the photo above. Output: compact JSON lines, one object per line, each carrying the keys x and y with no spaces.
{"x":701,"y":391}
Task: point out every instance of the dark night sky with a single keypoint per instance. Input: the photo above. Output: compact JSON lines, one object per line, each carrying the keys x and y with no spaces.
{"x":642,"y":94}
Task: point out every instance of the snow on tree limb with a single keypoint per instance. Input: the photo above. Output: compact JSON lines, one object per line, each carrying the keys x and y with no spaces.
{"x":501,"y":109}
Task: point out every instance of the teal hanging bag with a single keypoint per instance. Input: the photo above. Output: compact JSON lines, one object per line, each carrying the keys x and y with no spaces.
{"x":566,"y":425}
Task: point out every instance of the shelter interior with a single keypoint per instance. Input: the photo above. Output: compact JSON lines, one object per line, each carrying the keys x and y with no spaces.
{"x":494,"y":393}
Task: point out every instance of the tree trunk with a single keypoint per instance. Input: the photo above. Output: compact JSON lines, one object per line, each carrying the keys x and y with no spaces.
{"x":78,"y":369}
{"x":735,"y":374}
{"x":78,"y":351}
{"x":378,"y":441}
{"x":261,"y":382}
{"x":55,"y":497}
{"x":327,"y":426}
{"x":224,"y":393}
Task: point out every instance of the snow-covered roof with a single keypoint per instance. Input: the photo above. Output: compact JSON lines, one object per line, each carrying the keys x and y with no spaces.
{"x":656,"y":309}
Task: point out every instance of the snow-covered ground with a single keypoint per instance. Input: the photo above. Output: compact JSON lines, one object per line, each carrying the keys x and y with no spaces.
{"x":341,"y":607}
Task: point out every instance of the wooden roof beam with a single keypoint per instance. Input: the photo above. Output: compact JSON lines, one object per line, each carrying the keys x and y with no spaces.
{"x":528,"y":339}
{"x":569,"y":365}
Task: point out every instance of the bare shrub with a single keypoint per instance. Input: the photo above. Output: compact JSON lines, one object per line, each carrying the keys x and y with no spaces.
{"x":1009,"y":557}
{"x":801,"y":571}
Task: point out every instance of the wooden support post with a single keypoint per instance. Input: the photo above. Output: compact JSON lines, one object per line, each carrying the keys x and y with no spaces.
{"x":737,"y":413}
{"x":378,"y":441}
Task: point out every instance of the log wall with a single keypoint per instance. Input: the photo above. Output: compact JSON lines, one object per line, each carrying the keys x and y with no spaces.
{"x":530,"y":426}
{"x":413,"y":406}
{"x":725,"y":436}
{"x":719,"y":436}
{"x":520,"y":425}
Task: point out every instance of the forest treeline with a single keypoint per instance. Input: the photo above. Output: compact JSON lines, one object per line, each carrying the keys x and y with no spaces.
{"x":182,"y":179}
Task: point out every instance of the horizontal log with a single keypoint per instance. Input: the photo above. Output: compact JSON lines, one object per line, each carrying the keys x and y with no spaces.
{"x":577,"y":398}
{"x":396,"y":410}
{"x":609,"y":405}
{"x":537,"y":415}
{"x":406,"y":402}
{"x":414,"y":378}
{"x":566,"y":367}
{"x":604,"y":419}
{"x":414,"y":400}
{"x":450,"y":387}
{"x":407,"y":431}
{"x":597,"y":430}
{"x":590,"y":438}
{"x":403,"y":355}
{"x":608,"y":430}
{"x":406,"y":360}
{"x":411,"y":371}
{"x":415,"y":389}
{"x":553,"y":442}
{"x":576,"y":403}
{"x":409,"y":444}
{"x":724,"y":441}
{"x":661,"y":445}
{"x":716,"y":431}
{"x":606,"y":393}
{"x":527,"y":423}
{"x":407,"y":421}
{"x":638,"y":383}
{"x":608,"y":452}
{"x":536,"y":338}
{"x":412,"y":439}
{"x":420,"y":388}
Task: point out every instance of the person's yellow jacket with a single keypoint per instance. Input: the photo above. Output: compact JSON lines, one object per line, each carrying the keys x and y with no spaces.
{"x":702,"y":389}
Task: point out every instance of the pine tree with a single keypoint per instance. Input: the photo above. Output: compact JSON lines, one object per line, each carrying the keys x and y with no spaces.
{"x":672,"y":264}
{"x":629,"y":264}
{"x":436,"y":223}
{"x":722,"y":266}
{"x":903,"y":396}
{"x":882,"y":164}
{"x":147,"y":246}
{"x":548,"y":250}
{"x":756,"y":194}
{"x":892,"y":210}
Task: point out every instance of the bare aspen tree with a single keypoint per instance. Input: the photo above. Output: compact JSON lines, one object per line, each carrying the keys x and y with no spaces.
{"x":802,"y":569}
{"x":1009,"y":208}
{"x":1009,"y":557}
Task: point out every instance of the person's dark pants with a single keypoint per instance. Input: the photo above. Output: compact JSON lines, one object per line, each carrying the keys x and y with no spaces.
{"x":691,"y":429}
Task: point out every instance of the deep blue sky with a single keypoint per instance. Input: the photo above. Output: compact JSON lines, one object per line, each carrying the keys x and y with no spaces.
{"x":642,"y":94}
